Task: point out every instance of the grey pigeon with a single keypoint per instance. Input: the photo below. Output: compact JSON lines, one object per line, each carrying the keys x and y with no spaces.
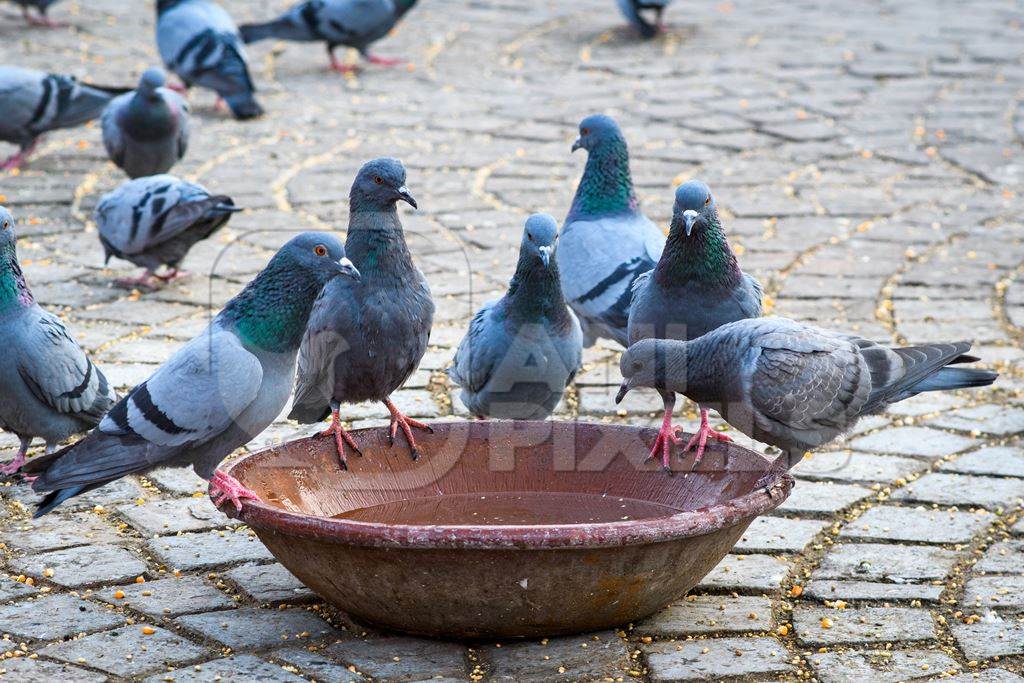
{"x":636,"y":12}
{"x":41,"y":7}
{"x":50,"y":387}
{"x":365,"y":339}
{"x":199,"y":41}
{"x":146,"y":131}
{"x":606,"y":241}
{"x":696,"y":287}
{"x":352,"y":23}
{"x":35,"y":102}
{"x":522,"y":350}
{"x":155,"y":220}
{"x":215,"y":393}
{"x":795,"y":386}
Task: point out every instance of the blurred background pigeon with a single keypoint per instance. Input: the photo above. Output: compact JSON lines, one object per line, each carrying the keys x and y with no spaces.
{"x":155,"y":220}
{"x":791,"y":385}
{"x":644,"y":15}
{"x":696,"y":287}
{"x":40,"y":18}
{"x":352,"y":23}
{"x":34,"y":102}
{"x":606,"y":240}
{"x":215,"y":393}
{"x":199,"y":42}
{"x":50,"y":387}
{"x":146,"y":131}
{"x":365,"y":339}
{"x":522,"y":350}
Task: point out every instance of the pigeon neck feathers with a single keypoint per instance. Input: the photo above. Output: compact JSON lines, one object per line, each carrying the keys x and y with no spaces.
{"x":702,"y":257}
{"x":376,"y":242}
{"x":606,"y":187}
{"x":14,"y":291}
{"x":535,"y":290}
{"x":148,"y":119}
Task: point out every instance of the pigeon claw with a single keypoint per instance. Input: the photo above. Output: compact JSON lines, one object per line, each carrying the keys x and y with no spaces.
{"x":13,"y":466}
{"x":341,"y":439}
{"x":406,"y":424}
{"x":700,"y":438}
{"x":663,"y":445}
{"x":224,"y":487}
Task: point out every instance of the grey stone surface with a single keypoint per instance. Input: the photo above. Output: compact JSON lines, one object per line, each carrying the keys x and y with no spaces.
{"x":891,"y":523}
{"x":847,"y":466}
{"x":401,"y":659}
{"x":761,"y":573}
{"x":26,"y":670}
{"x":55,"y":616}
{"x":822,"y":498}
{"x":778,"y":534}
{"x":85,"y":566}
{"x":1005,"y":593}
{"x":963,"y":490}
{"x":1003,"y":461}
{"x":710,"y":614}
{"x":712,"y":659}
{"x":251,"y":628}
{"x":1003,"y":557}
{"x":921,"y":441}
{"x":168,"y":597}
{"x":822,"y":626}
{"x":831,"y":589}
{"x":127,"y":651}
{"x":991,"y":637}
{"x":883,"y":562}
{"x":209,"y":549}
{"x":268,"y":583}
{"x":174,"y":515}
{"x":238,"y":669}
{"x":574,"y":658}
{"x":316,"y":664}
{"x":881,"y":665}
{"x":988,"y":419}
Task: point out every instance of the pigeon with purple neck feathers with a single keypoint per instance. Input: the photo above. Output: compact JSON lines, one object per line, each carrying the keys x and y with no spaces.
{"x":155,"y":220}
{"x":696,"y":287}
{"x":637,"y":11}
{"x":50,"y":387}
{"x":606,"y":240}
{"x":215,"y":393}
{"x":352,"y":23}
{"x":794,"y":386}
{"x":146,"y":131}
{"x":522,"y":350}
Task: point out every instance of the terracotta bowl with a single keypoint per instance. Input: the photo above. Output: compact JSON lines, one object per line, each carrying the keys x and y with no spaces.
{"x":501,"y":529}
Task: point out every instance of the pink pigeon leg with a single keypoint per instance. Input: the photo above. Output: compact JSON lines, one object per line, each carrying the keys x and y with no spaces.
{"x":224,"y":487}
{"x":666,"y":435}
{"x":17,"y":160}
{"x":173,"y":275}
{"x":341,"y":438}
{"x":386,"y":61}
{"x":400,"y":420}
{"x":15,"y":465}
{"x":700,"y":439}
{"x":145,"y":281}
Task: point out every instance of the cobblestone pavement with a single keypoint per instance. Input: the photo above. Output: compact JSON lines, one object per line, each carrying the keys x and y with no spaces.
{"x":868,"y":158}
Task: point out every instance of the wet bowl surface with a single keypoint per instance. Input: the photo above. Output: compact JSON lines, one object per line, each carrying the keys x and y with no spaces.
{"x":501,"y":529}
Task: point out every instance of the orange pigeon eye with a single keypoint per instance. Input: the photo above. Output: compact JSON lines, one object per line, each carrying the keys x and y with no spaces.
{"x":707,"y":201}
{"x":585,"y":131}
{"x":378,"y":180}
{"x":320,"y":250}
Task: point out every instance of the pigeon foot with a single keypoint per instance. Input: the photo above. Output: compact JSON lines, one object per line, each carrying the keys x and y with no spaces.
{"x":385,"y":61}
{"x":700,"y":439}
{"x":173,"y":275}
{"x":18,"y":160}
{"x":341,"y":437}
{"x":147,"y":281}
{"x":400,"y":420}
{"x":663,"y":443}
{"x":14,"y":465}
{"x":224,"y":487}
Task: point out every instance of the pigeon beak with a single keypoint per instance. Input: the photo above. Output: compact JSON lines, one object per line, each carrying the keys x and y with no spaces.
{"x":623,"y":390}
{"x":406,"y":196}
{"x":545,"y":255}
{"x":577,"y":144}
{"x":689,"y":218}
{"x":348,"y":269}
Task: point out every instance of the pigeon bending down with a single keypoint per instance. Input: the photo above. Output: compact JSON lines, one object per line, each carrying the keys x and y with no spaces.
{"x":353,"y":23}
{"x":522,"y":350}
{"x":35,"y":102}
{"x":606,"y":241}
{"x":50,"y":387}
{"x":154,"y":221}
{"x":215,"y":393}
{"x":791,"y":385}
{"x":634,"y":11}
{"x":696,"y":287}
{"x":146,"y":131}
{"x":199,"y":41}
{"x":42,"y":7}
{"x":365,"y":339}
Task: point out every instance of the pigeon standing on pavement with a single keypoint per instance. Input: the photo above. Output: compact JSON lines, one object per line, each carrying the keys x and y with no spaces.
{"x":635,"y":12}
{"x":146,"y":131}
{"x":352,"y":23}
{"x":41,"y":7}
{"x":792,"y":385}
{"x":215,"y":393}
{"x":365,"y":339}
{"x":199,"y":42}
{"x":50,"y":387}
{"x":522,"y":350}
{"x":155,"y":220}
{"x":35,"y":102}
{"x":606,"y":241}
{"x":696,"y":287}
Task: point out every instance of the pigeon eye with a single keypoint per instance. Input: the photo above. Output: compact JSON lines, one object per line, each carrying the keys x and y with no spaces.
{"x":529,"y":235}
{"x":707,"y":201}
{"x":584,"y":131}
{"x":377,"y":179}
{"x":320,"y":250}
{"x":638,"y":365}
{"x":7,"y":224}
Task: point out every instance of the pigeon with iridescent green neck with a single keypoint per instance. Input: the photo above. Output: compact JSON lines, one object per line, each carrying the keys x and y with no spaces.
{"x":50,"y":387}
{"x":606,"y":240}
{"x":215,"y":393}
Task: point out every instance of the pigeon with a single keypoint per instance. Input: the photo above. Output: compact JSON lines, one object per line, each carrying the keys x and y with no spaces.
{"x":522,"y":350}
{"x":146,"y":131}
{"x":41,"y":6}
{"x":634,"y":11}
{"x":199,"y":41}
{"x":791,"y":385}
{"x":50,"y":387}
{"x":155,"y":220}
{"x":696,"y":287}
{"x":215,"y":393}
{"x":35,"y":102}
{"x":365,"y":339}
{"x":353,"y":23}
{"x":606,"y":241}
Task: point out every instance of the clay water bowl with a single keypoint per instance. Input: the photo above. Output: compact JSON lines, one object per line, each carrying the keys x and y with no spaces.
{"x":501,"y":529}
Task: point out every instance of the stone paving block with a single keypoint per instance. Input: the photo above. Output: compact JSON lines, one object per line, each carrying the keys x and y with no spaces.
{"x":83,"y":528}
{"x":208,"y":550}
{"x":252,"y":628}
{"x":574,"y":658}
{"x":709,"y":614}
{"x":963,"y":490}
{"x":85,"y":566}
{"x":891,"y":523}
{"x":179,"y":480}
{"x":11,"y":589}
{"x":315,"y":664}
{"x":884,"y":666}
{"x":240,"y":669}
{"x":818,"y":626}
{"x":987,"y":419}
{"x":778,"y":535}
{"x":25,"y":670}
{"x":107,"y":496}
{"x":1005,"y":593}
{"x":168,"y":597}
{"x":821,"y":498}
{"x":175,"y":515}
{"x":1001,"y":461}
{"x":991,"y":637}
{"x":55,"y":616}
{"x":884,"y":562}
{"x":400,"y":658}
{"x":127,"y":651}
{"x":762,"y":573}
{"x":716,"y":658}
{"x":986,"y":676}
{"x":920,"y":441}
{"x":847,"y":466}
{"x":269,"y":583}
{"x":1005,"y":557}
{"x":830,"y":589}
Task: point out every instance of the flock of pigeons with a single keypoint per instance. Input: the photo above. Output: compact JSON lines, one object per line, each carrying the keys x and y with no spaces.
{"x":355,"y":318}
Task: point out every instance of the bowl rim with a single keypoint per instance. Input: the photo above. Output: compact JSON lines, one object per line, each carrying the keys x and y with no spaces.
{"x":688,"y":523}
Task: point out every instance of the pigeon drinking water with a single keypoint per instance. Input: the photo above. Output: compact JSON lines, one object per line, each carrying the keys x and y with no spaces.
{"x":522,"y":350}
{"x":50,"y":387}
{"x":215,"y":393}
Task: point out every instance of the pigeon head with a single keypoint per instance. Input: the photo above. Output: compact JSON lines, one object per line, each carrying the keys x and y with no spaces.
{"x":596,"y":131}
{"x":642,"y":365}
{"x":694,"y":208}
{"x":7,"y":237}
{"x":539,"y":238}
{"x":380,"y":184}
{"x":152,"y":79}
{"x":319,"y":255}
